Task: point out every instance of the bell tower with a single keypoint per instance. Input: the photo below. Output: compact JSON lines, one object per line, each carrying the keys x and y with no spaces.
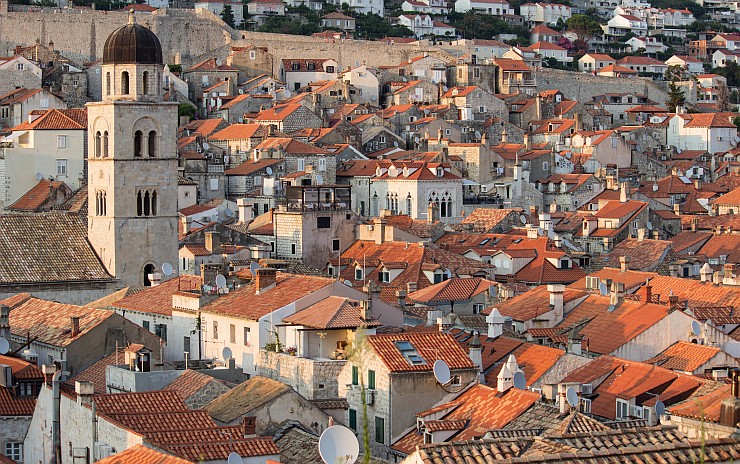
{"x":132,"y":160}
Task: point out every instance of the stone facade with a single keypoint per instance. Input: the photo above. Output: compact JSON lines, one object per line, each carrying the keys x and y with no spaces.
{"x":13,"y":429}
{"x":313,"y":379}
{"x":205,"y":395}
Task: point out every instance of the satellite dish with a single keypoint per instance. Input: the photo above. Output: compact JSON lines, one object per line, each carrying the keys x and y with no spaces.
{"x":206,"y":146}
{"x":220,"y":281}
{"x":234,"y":458}
{"x":477,"y":135}
{"x":695,"y":328}
{"x":253,"y":266}
{"x":737,"y":138}
{"x":602,"y":289}
{"x":523,"y":219}
{"x":444,"y":87}
{"x":659,"y":408}
{"x":441,"y":372}
{"x":226,"y":353}
{"x":287,"y":93}
{"x":347,"y":282}
{"x":338,"y":445}
{"x":167,"y":269}
{"x":319,"y":179}
{"x":268,"y":170}
{"x":519,"y":381}
{"x":228,"y":213}
{"x":373,"y":98}
{"x":678,"y":150}
{"x":4,"y":345}
{"x":39,"y":176}
{"x":395,"y":143}
{"x":572,"y":396}
{"x":650,"y":225}
{"x":218,"y":61}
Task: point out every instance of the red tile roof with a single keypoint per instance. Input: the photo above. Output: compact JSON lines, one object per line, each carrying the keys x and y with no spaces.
{"x":56,"y":120}
{"x":291,"y":146}
{"x":153,"y":402}
{"x":158,"y":299}
{"x":631,"y":279}
{"x":39,"y":194}
{"x":250,"y":167}
{"x":697,"y":294}
{"x":333,"y":312}
{"x":278,"y":113}
{"x":684,"y":356}
{"x":140,"y":454}
{"x":533,"y":303}
{"x":430,"y":346}
{"x":210,"y":451}
{"x":240,"y":132}
{"x":12,"y":405}
{"x":202,"y":127}
{"x":189,"y":383}
{"x":704,"y":408}
{"x":486,"y":219}
{"x":456,"y":289}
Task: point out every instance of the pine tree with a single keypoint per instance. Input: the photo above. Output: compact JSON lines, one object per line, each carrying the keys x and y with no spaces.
{"x":676,"y":97}
{"x":227,"y":15}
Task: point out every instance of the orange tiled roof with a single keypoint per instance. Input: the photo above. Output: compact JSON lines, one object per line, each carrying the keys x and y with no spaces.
{"x":202,"y":127}
{"x":239,"y":132}
{"x":456,"y":289}
{"x":140,"y":454}
{"x":146,"y":422}
{"x":631,"y":279}
{"x":139,"y":403}
{"x":250,"y":167}
{"x":535,"y":302}
{"x":333,"y":312}
{"x":38,"y":195}
{"x":704,"y":408}
{"x":684,"y":356}
{"x":485,"y":219}
{"x":96,"y":372}
{"x":731,"y":198}
{"x":430,"y":346}
{"x":158,"y":299}
{"x":210,"y":451}
{"x":643,"y":254}
{"x":190,"y":382}
{"x":22,"y":370}
{"x":12,"y":405}
{"x":55,"y":120}
{"x":697,"y":293}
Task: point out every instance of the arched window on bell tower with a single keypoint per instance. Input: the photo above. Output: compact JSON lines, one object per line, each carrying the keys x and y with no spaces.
{"x":145,"y":82}
{"x":98,"y":144}
{"x":107,"y":83}
{"x":124,"y":83}
{"x":105,"y":144}
{"x":137,"y":143}
{"x":152,"y":140}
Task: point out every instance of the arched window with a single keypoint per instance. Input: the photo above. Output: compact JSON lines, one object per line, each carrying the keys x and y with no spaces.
{"x":98,"y":144}
{"x":139,"y":203}
{"x":374,"y":205}
{"x":408,"y":205}
{"x":100,"y":203}
{"x":107,"y":83}
{"x":105,"y":144}
{"x":148,"y":269}
{"x":145,"y":82}
{"x":137,"y":143}
{"x":152,"y":140}
{"x":445,"y":206}
{"x":154,"y":203}
{"x":147,"y":204}
{"x":124,"y":83}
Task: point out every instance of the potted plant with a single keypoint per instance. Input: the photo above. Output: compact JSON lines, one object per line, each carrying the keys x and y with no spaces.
{"x":291,"y":350}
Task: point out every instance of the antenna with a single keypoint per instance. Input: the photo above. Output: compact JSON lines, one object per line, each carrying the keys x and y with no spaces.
{"x":602,"y":289}
{"x":572,"y":397}
{"x":39,"y":176}
{"x":226,"y":353}
{"x":519,"y":381}
{"x":4,"y":345}
{"x":441,"y":372}
{"x":234,"y":458}
{"x":268,"y":170}
{"x":167,"y":269}
{"x":220,"y":281}
{"x":338,"y":445}
{"x":696,"y":328}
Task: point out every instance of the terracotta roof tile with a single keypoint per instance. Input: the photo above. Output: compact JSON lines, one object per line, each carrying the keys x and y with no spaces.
{"x":533,"y":303}
{"x":158,"y":299}
{"x":12,"y":405}
{"x":39,"y":194}
{"x":140,"y":454}
{"x":697,"y":294}
{"x":153,"y":402}
{"x":190,"y":382}
{"x":706,"y":407}
{"x":201,"y":127}
{"x":245,"y":397}
{"x":486,"y":219}
{"x":456,"y":289}
{"x":22,"y":370}
{"x":631,"y":279}
{"x":643,"y":254}
{"x":333,"y":312}
{"x":684,"y":356}
{"x":430,"y":346}
{"x":210,"y":451}
{"x":146,"y":422}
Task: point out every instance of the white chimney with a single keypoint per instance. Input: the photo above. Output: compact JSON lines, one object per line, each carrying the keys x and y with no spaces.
{"x":246,"y":210}
{"x":505,"y":379}
{"x":495,"y":323}
{"x":557,"y":292}
{"x":476,"y":355}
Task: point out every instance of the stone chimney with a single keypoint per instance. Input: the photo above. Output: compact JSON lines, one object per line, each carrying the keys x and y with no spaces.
{"x":729,"y":413}
{"x":84,"y":390}
{"x":5,"y":322}
{"x":265,"y":280}
{"x":379,"y":230}
{"x":495,"y":323}
{"x":557,"y":292}
{"x":444,"y":324}
{"x":432,"y":213}
{"x":656,"y":234}
{"x":366,"y":310}
{"x":373,"y":290}
{"x":616,"y":296}
{"x":249,"y":426}
{"x":75,"y":326}
{"x":533,"y":231}
{"x":624,"y":193}
{"x":624,"y":263}
{"x":246,"y":210}
{"x":401,"y":295}
{"x":187,"y":222}
{"x":476,"y":355}
{"x":641,"y":234}
{"x":646,"y":292}
{"x":527,"y":142}
{"x":694,"y":224}
{"x":411,"y":287}
{"x":578,"y":122}
{"x":706,"y":273}
{"x":213,"y":242}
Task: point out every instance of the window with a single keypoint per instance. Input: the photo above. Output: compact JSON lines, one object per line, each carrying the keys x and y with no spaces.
{"x":586,"y":406}
{"x":124,"y":83}
{"x":14,"y":451}
{"x":107,"y":83}
{"x":371,"y":379}
{"x":98,"y":144}
{"x":481,"y":109}
{"x":44,"y":103}
{"x":215,"y":329}
{"x":61,"y":141}
{"x":353,"y":419}
{"x":137,"y":143}
{"x":204,"y":80}
{"x":323,"y":222}
{"x":152,"y":140}
{"x":355,"y":375}
{"x":105,"y":144}
{"x":385,"y":277}
{"x":322,"y":164}
{"x":301,"y":164}
{"x":545,"y":165}
{"x":61,"y":167}
{"x":330,"y":69}
{"x":145,"y":324}
{"x":100,"y":203}
{"x":614,"y":142}
{"x":478,"y":307}
{"x":311,"y":66}
{"x":20,"y":66}
{"x":186,"y":345}
{"x":252,"y":55}
{"x":145,"y":82}
{"x":146,"y":202}
{"x":381,"y":139}
{"x":295,"y":66}
{"x":622,"y":408}
{"x":358,"y":274}
{"x":335,"y":245}
{"x":379,"y":430}
{"x":232,"y":333}
{"x":292,"y":248}
{"x":160,"y":330}
{"x":213,"y":184}
{"x":185,"y":265}
{"x":26,"y":389}
{"x":247,"y":336}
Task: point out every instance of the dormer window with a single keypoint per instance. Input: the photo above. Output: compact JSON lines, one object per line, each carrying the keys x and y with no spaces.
{"x":295,"y":66}
{"x":359,"y":274}
{"x":565,"y":263}
{"x":440,"y":172}
{"x":385,"y":276}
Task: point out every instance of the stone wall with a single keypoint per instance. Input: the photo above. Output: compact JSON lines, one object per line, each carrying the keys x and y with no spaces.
{"x":314,"y":380}
{"x":205,"y":395}
{"x":583,"y":86}
{"x":11,"y":79}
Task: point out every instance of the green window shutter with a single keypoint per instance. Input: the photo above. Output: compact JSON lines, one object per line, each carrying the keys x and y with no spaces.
{"x":355,"y":376}
{"x":353,"y":419}
{"x":379,"y":430}
{"x":371,"y":380}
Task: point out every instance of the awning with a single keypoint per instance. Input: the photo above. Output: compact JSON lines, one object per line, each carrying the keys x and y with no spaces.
{"x":469,"y":182}
{"x":14,"y":136}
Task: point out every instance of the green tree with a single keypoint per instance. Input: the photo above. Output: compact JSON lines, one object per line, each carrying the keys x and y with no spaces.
{"x":585,"y":27}
{"x":186,"y":109}
{"x":227,"y":15}
{"x":676,"y":97}
{"x":736,"y":121}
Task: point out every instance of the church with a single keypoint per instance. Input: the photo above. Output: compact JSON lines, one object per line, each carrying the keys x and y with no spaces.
{"x":132,"y":224}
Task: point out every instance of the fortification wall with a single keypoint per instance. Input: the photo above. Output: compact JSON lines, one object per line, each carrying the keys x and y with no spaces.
{"x":582,"y":86}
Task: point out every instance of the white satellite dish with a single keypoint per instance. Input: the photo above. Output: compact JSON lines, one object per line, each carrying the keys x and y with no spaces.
{"x":228,"y":213}
{"x":395,"y":143}
{"x":519,"y":381}
{"x":441,"y":372}
{"x":234,"y":458}
{"x":253,"y":266}
{"x":373,"y":98}
{"x":4,"y":345}
{"x":678,"y":150}
{"x":220,"y":281}
{"x":659,"y":408}
{"x":338,"y":445}
{"x":695,"y":328}
{"x":444,"y":87}
{"x":287,"y":93}
{"x":602,"y":289}
{"x":206,"y":146}
{"x":319,"y":179}
{"x":226,"y":353}
{"x":523,"y":219}
{"x":572,"y":397}
{"x":268,"y":170}
{"x":347,"y":282}
{"x":167,"y":269}
{"x":39,"y":176}
{"x":477,"y":135}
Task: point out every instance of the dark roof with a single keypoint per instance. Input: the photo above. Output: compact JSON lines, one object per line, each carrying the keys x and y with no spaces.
{"x":132,"y":44}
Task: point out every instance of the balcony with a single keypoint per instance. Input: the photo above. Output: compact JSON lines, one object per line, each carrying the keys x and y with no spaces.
{"x":318,"y":198}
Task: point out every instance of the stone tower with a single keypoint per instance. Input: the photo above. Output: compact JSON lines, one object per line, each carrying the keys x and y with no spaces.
{"x":132,"y":160}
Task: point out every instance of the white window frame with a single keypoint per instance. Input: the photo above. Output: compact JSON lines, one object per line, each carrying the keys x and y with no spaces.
{"x":625,"y":405}
{"x":61,"y":167}
{"x":585,"y":405}
{"x":301,"y":164}
{"x":44,"y":103}
{"x":61,"y":141}
{"x":14,"y":450}
{"x":478,"y":307}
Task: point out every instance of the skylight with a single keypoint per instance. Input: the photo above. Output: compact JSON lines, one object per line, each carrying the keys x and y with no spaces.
{"x":409,"y":352}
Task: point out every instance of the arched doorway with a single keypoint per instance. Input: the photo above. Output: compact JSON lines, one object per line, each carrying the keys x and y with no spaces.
{"x":148,"y":269}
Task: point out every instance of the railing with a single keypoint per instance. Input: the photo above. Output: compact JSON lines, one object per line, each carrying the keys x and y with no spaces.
{"x":522,"y":83}
{"x":215,"y":168}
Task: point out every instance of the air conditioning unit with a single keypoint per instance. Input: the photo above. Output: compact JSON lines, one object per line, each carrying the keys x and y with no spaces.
{"x":6,"y":375}
{"x":370,"y":397}
{"x":587,"y":389}
{"x":637,"y":411}
{"x":103,"y":451}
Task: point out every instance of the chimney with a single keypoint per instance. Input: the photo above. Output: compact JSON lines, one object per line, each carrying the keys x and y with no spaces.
{"x":532,"y":231}
{"x":213,"y":242}
{"x":624,"y":263}
{"x":538,"y":107}
{"x":495,"y":323}
{"x":379,"y":230}
{"x":84,"y":390}
{"x":411,"y":287}
{"x":187,"y":222}
{"x":265,"y":280}
{"x":557,"y":292}
{"x":505,"y":378}
{"x":246,"y":210}
{"x":401,"y":295}
{"x":373,"y":290}
{"x":476,"y":355}
{"x":527,"y":142}
{"x":694,"y":224}
{"x":729,"y":413}
{"x":677,"y":209}
{"x":75,"y":324}
{"x":578,"y":122}
{"x":697,"y":184}
{"x":646,"y":292}
{"x":706,"y":273}
{"x":432,"y":213}
{"x":641,"y":234}
{"x":366,"y":310}
{"x":249,"y":426}
{"x":5,"y":322}
{"x":624,"y":194}
{"x":672,"y":301}
{"x":444,"y":324}
{"x":616,"y":297}
{"x":656,"y":234}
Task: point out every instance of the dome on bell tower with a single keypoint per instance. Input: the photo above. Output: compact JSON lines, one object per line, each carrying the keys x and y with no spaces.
{"x":132,"y":44}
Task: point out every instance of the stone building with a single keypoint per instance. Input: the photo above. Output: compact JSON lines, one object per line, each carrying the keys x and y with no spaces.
{"x":251,"y":61}
{"x":208,"y":72}
{"x":132,"y":183}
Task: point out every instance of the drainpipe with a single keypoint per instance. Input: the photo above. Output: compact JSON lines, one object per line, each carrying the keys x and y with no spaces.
{"x":94,"y":431}
{"x":56,"y":422}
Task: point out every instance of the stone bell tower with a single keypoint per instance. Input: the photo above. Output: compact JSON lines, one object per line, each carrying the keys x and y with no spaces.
{"x":132,"y":160}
